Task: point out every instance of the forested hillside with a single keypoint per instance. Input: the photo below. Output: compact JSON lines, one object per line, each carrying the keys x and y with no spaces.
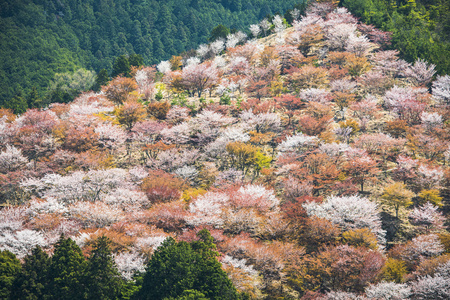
{"x":39,"y":38}
{"x":421,"y":28}
{"x":309,"y":162}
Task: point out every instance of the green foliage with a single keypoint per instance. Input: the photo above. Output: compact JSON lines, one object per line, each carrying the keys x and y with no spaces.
{"x":103,"y":281}
{"x":225,"y":100}
{"x":32,"y":281}
{"x":219,"y":32}
{"x":189,"y":295}
{"x":66,"y":86}
{"x":121,"y":67}
{"x":66,"y":271}
{"x":9,"y":269}
{"x":42,"y":37}
{"x":421,"y":28}
{"x":18,"y":104}
{"x":33,"y":99}
{"x":101,"y":79}
{"x":177,"y":267}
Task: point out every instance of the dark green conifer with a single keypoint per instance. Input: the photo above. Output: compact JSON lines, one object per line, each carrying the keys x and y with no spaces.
{"x":33,"y":99}
{"x":136,"y":60}
{"x":180,"y":266}
{"x":9,"y":269}
{"x":17,"y":104}
{"x":219,"y":32}
{"x":32,"y":281}
{"x":103,"y":281}
{"x":66,"y":271}
{"x":101,"y":79}
{"x":121,"y":66}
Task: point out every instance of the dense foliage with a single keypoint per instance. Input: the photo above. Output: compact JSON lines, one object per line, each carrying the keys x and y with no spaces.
{"x":420,"y":28}
{"x":40,"y":38}
{"x":315,"y":157}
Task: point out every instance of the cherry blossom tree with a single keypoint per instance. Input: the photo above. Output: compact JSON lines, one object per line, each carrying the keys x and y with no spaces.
{"x":421,"y":72}
{"x":78,"y":185}
{"x":429,"y":177}
{"x":406,"y":102}
{"x":97,"y":214}
{"x":110,"y":136}
{"x":207,"y":209}
{"x":145,"y":78}
{"x":298,"y":143}
{"x":428,"y":287}
{"x":255,"y":29}
{"x":359,"y":45}
{"x":419,"y":248}
{"x":376,"y":35}
{"x":431,"y":120}
{"x":129,"y":264}
{"x":388,"y":290}
{"x":427,"y":218}
{"x":265,"y":26}
{"x":441,"y":89}
{"x":164,"y":67}
{"x":389,"y":63}
{"x":339,"y":35}
{"x":11,"y":159}
{"x":197,"y":78}
{"x":349,"y":212}
{"x":21,"y":242}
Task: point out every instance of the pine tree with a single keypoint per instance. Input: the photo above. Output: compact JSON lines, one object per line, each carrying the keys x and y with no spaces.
{"x":219,"y":32}
{"x":9,"y":269}
{"x":18,"y":104}
{"x":121,"y":66}
{"x":103,"y":281}
{"x":66,"y":271}
{"x":101,"y":79}
{"x":33,"y":99}
{"x":32,"y":281}
{"x":136,"y":60}
{"x":180,"y":266}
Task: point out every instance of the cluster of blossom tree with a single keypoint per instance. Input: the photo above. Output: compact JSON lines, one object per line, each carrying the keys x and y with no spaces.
{"x":317,"y":159}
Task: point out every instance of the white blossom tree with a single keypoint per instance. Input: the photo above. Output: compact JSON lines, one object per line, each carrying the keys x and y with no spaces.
{"x":388,"y":291}
{"x":11,"y":159}
{"x":441,"y":89}
{"x":349,"y":212}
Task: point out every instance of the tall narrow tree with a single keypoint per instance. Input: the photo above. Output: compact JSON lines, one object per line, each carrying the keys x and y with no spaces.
{"x":32,"y":281}
{"x":66,"y":271}
{"x":103,"y":280}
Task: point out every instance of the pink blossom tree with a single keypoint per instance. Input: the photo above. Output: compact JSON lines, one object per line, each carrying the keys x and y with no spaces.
{"x":197,"y":78}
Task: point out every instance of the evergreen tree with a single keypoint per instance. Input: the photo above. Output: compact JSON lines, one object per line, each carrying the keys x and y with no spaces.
{"x":18,"y":104}
{"x":190,"y":295}
{"x":180,"y":266}
{"x":9,"y":269}
{"x":220,"y":31}
{"x":32,"y":281}
{"x":103,"y":280}
{"x":101,"y":79}
{"x":121,"y":66}
{"x":66,"y":271}
{"x":33,"y":99}
{"x":136,"y":60}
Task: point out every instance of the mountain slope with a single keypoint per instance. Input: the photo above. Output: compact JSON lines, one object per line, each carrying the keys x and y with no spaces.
{"x":39,"y":38}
